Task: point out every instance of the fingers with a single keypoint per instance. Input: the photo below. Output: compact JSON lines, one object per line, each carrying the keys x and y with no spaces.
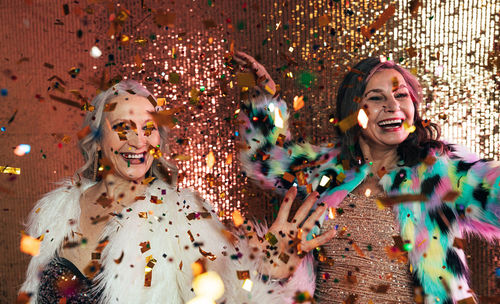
{"x":286,"y":205}
{"x":304,"y":209}
{"x":318,"y":241}
{"x":313,"y":218}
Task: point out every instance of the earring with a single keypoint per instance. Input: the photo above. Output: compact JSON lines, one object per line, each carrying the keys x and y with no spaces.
{"x":96,"y":165}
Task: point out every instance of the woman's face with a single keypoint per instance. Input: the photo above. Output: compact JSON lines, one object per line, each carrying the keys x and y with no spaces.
{"x":128,"y":132}
{"x":390,"y":109}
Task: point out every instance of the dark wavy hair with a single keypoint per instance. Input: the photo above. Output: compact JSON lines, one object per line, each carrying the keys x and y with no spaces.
{"x":351,"y":90}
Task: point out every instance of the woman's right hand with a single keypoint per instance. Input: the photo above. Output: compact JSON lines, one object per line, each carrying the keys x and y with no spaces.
{"x":264,"y":81}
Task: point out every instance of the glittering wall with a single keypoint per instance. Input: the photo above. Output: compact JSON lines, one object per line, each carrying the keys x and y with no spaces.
{"x":179,"y":49}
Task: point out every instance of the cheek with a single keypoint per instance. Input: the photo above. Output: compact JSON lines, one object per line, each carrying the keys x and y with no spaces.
{"x":111,"y":142}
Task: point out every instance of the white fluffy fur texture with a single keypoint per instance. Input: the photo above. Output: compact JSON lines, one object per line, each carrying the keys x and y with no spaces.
{"x":166,"y":229}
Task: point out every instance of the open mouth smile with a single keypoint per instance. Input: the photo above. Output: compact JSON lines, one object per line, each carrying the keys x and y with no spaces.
{"x":391,"y":125}
{"x":134,"y":158}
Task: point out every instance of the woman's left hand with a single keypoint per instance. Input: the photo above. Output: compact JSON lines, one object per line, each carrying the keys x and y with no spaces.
{"x":285,"y":243}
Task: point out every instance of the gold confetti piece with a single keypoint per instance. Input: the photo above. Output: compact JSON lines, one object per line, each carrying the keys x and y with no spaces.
{"x":459,"y":243}
{"x":191,"y":237}
{"x":362,"y":118}
{"x":110,"y":107}
{"x":245,"y":80}
{"x":469,"y":300}
{"x":10,"y":170}
{"x":229,"y":159}
{"x":161,"y":101}
{"x":143,"y":215}
{"x":379,"y":22}
{"x":198,"y":267}
{"x":181,"y":157}
{"x":288,"y":177}
{"x":152,"y":100}
{"x":155,"y":200}
{"x":451,"y":196}
{"x":141,"y":41}
{"x":104,"y":201}
{"x":30,"y":245}
{"x":148,"y":270}
{"x":119,"y":260}
{"x":324,"y":20}
{"x":430,"y":160}
{"x":243,"y":274}
{"x":382,"y":288}
{"x":280,"y":141}
{"x":95,"y":255}
{"x":83,"y":132}
{"x":92,"y":269}
{"x":271,"y":238}
{"x":210,"y":159}
{"x":148,"y":180}
{"x":207,"y":254}
{"x":298,"y":102}
{"x":301,"y":179}
{"x":23,"y":298}
{"x":340,"y":177}
{"x":237,"y":218}
{"x":270,"y":91}
{"x":145,"y":246}
{"x":358,"y":250}
{"x":164,"y":19}
{"x":409,"y":128}
{"x":381,"y":172}
{"x":247,"y":285}
{"x":404,"y":198}
{"x":348,"y":122}
{"x":284,"y":257}
{"x":165,"y":117}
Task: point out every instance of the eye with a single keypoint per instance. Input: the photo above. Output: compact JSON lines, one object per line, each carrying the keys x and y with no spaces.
{"x":121,"y":126}
{"x":401,"y":95}
{"x":375,"y":97}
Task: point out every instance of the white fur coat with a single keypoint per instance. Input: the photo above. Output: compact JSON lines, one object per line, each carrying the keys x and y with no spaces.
{"x":176,"y":229}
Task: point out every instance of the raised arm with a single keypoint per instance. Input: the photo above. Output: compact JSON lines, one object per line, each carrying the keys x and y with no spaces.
{"x":275,"y":161}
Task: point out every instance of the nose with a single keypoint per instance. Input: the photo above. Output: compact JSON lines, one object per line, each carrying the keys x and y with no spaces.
{"x":136,"y":139}
{"x":391,"y":104}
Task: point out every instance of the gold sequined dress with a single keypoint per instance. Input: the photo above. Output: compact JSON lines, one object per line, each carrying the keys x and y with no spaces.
{"x":362,"y":271}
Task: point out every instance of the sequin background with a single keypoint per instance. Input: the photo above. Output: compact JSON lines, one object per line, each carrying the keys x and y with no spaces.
{"x":178,"y":49}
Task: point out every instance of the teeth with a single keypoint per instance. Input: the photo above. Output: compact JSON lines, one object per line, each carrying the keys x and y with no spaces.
{"x":133,"y":155}
{"x":390,"y":122}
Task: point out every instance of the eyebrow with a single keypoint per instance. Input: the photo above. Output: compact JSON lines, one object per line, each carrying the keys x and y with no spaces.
{"x":381,"y":91}
{"x":128,"y":120}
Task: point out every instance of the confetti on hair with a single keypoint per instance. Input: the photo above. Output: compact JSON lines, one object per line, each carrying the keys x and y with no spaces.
{"x":271,"y":238}
{"x":245,"y":80}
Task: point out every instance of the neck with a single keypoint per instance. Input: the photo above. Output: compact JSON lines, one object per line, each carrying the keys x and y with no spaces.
{"x":119,"y":190}
{"x":383,"y":158}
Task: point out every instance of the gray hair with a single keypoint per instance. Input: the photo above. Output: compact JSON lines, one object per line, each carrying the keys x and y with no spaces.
{"x":94,"y":120}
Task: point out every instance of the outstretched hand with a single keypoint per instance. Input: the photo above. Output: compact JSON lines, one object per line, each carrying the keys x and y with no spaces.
{"x":264,"y":81}
{"x":285,"y":243}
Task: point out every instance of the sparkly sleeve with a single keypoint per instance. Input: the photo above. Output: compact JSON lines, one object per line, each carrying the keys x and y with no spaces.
{"x":275,"y":161}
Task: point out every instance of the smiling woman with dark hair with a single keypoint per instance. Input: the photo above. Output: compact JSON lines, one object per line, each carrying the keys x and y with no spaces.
{"x":429,"y":193}
{"x":121,"y":231}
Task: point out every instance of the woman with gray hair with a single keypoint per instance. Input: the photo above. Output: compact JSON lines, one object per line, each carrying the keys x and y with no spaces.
{"x":121,"y":230}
